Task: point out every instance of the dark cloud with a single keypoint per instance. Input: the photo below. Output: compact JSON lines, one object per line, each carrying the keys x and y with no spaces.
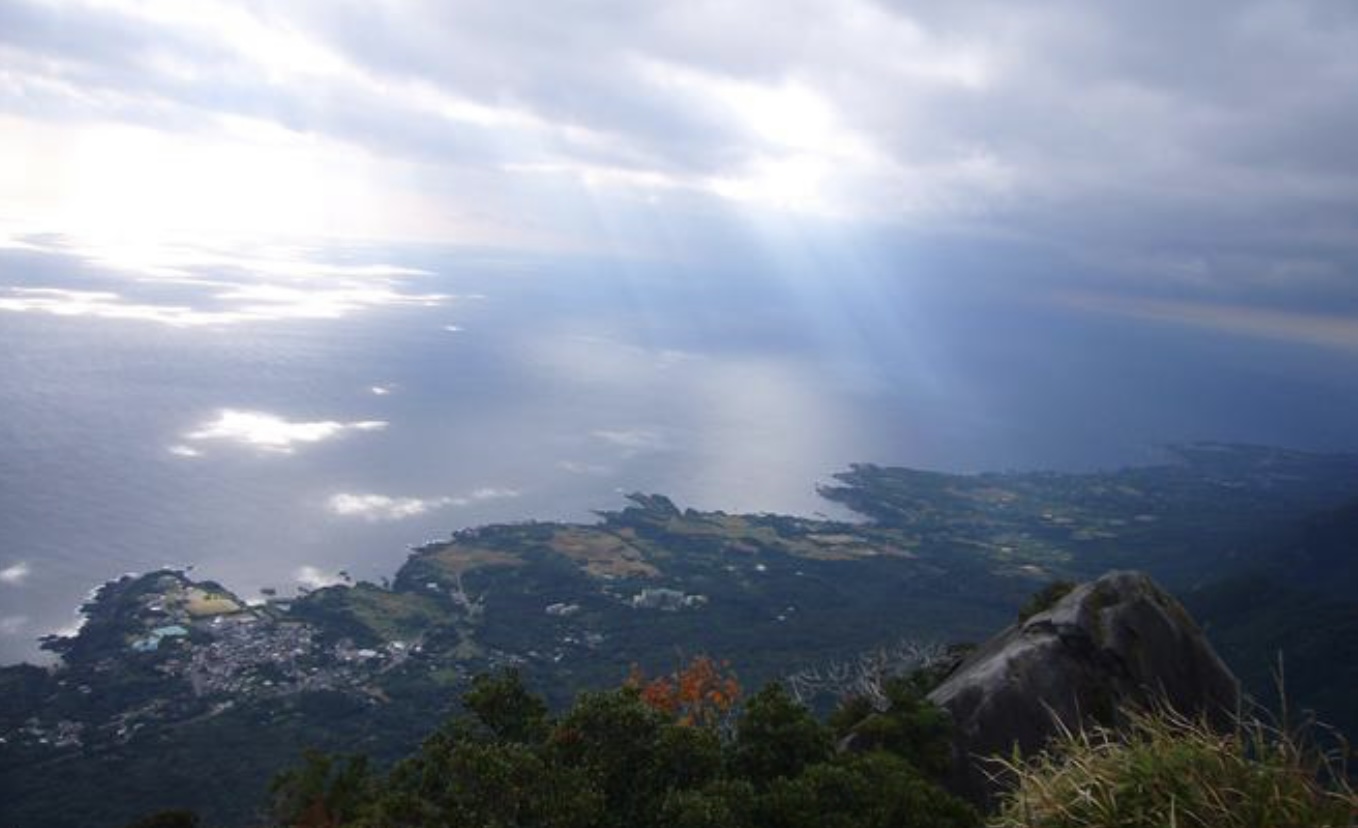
{"x":1213,"y":132}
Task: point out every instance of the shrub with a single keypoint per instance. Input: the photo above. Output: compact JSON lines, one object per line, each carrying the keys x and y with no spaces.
{"x":1044,"y":599}
{"x":776,"y":737}
{"x":670,"y":758}
{"x":910,"y":727}
{"x":1161,"y":769}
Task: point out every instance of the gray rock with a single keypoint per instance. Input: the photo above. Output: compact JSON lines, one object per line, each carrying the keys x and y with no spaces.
{"x":1118,"y":641}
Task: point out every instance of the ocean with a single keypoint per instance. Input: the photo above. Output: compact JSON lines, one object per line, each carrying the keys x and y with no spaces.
{"x":275,"y":418}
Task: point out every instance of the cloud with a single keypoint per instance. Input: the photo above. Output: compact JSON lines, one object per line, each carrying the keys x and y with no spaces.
{"x":252,"y":303}
{"x":1097,"y":130}
{"x":181,"y":450}
{"x":13,"y":624}
{"x":377,"y":508}
{"x":268,"y":432}
{"x":279,"y":302}
{"x":1324,"y":330}
{"x":104,"y":305}
{"x":633,"y":439}
{"x":487,"y":493}
{"x":578,"y":467}
{"x":186,"y":285}
{"x":314,"y":578}
{"x":15,"y":574}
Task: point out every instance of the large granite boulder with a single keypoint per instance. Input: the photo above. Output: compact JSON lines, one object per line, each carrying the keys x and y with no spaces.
{"x":1118,"y":641}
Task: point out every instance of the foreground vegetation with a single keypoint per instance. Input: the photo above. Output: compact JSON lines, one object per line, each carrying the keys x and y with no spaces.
{"x":1161,"y":769}
{"x":670,"y":752}
{"x":687,"y":751}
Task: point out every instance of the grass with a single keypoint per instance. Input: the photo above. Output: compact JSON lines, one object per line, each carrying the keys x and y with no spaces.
{"x":199,"y":603}
{"x":456,"y":559}
{"x":748,"y":533}
{"x":601,"y":553}
{"x":1045,"y":598}
{"x":391,"y":615}
{"x":1164,"y":770}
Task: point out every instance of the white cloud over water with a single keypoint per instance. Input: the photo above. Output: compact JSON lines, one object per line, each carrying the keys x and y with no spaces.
{"x":378,"y":508}
{"x":271,"y":433}
{"x":633,"y":440}
{"x":486,"y":493}
{"x":236,"y":305}
{"x":182,"y":284}
{"x":313,"y":577}
{"x":106,"y":305}
{"x":1318,"y":329}
{"x":15,"y":573}
{"x":580,"y":467}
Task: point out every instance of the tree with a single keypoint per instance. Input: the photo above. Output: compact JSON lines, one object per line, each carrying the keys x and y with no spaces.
{"x":685,"y":757}
{"x":612,"y":737}
{"x":325,"y":791}
{"x":725,"y":803}
{"x":629,"y":757}
{"x":776,"y":737}
{"x":505,"y":707}
{"x":701,"y":693}
{"x":468,"y":782}
{"x":910,"y":727}
{"x":168,"y":819}
{"x":873,"y":790}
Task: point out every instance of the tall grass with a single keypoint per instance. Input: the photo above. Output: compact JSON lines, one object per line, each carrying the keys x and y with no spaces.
{"x":1163,"y":770}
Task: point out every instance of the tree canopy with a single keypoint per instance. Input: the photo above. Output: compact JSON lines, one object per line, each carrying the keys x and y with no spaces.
{"x":677,"y":751}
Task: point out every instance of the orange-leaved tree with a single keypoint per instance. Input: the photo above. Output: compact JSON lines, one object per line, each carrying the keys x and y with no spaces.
{"x":701,"y":693}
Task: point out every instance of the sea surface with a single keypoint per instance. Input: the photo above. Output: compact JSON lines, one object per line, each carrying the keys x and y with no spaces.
{"x":279,"y":416}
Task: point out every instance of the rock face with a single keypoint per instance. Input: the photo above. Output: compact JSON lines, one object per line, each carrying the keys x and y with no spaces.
{"x":1117,"y":641}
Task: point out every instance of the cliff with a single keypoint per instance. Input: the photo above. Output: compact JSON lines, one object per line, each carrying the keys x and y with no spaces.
{"x":1118,"y":641}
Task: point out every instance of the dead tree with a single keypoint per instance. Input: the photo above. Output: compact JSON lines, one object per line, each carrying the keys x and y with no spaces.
{"x":864,"y":675}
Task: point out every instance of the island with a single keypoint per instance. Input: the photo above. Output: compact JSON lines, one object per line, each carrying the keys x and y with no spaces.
{"x":171,"y":679}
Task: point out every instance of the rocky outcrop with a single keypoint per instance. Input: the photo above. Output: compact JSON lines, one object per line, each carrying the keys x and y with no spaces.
{"x":1118,"y":641}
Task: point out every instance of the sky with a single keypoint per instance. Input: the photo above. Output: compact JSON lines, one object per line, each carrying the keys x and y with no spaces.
{"x":1199,"y":159}
{"x":269,"y":253}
